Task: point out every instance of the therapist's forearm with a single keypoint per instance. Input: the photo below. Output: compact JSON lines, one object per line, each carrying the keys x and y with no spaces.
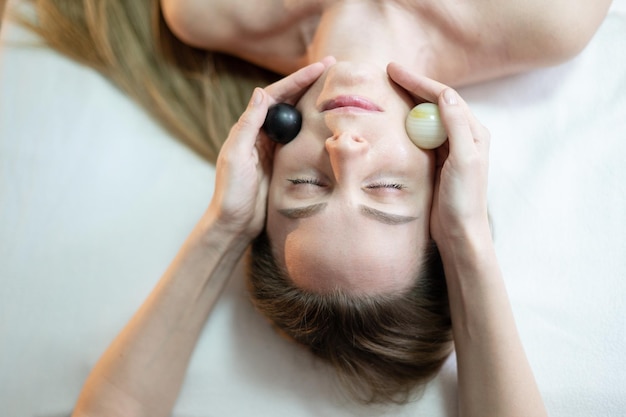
{"x":142,"y":371}
{"x":495,"y":378}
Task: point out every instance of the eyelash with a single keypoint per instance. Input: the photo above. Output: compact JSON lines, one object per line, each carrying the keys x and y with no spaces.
{"x":312,"y":181}
{"x":387,"y":185}
{"x":315,"y":181}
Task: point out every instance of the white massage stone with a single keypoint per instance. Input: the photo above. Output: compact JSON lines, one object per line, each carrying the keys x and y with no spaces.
{"x":424,"y":126}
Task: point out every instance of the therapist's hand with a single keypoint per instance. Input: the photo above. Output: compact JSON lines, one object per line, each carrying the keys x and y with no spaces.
{"x":459,"y":207}
{"x":244,"y":164}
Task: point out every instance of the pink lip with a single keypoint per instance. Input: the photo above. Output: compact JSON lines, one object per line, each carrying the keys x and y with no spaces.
{"x":350,"y":101}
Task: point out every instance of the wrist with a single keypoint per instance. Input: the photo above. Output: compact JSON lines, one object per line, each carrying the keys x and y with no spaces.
{"x":466,"y":244}
{"x":468,"y":231}
{"x":217,"y":233}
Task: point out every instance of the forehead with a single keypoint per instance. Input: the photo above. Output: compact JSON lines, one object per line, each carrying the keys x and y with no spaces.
{"x":354,"y":254}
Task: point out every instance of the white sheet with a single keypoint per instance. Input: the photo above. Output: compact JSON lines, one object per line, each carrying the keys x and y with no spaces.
{"x":95,"y":200}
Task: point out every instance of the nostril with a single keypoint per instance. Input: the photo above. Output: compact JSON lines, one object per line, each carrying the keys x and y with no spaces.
{"x":347,"y":143}
{"x":349,"y":138}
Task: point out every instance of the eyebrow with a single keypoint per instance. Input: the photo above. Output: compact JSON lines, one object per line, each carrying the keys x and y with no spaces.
{"x":372,"y":213}
{"x":385,"y":217}
{"x":302,"y":212}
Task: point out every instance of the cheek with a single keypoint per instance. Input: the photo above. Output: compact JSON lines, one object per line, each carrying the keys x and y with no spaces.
{"x":304,"y":156}
{"x":302,"y":149}
{"x":402,"y":154}
{"x":422,"y":163}
{"x":429,"y":160}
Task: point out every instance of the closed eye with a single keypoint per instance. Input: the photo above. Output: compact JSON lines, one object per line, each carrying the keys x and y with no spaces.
{"x":311,"y":181}
{"x":387,"y":185}
{"x":318,"y":183}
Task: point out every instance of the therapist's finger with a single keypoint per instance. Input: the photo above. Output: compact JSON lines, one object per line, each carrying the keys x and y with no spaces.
{"x":422,"y":88}
{"x":466,"y":135}
{"x":454,"y":119}
{"x":292,"y":87}
{"x":244,"y":133}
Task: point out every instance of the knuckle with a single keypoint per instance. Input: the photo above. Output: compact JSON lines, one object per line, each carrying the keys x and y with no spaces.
{"x":246,"y":123}
{"x":243,"y":123}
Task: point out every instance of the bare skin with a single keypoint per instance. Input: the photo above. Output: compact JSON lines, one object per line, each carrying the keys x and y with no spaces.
{"x":451,"y":41}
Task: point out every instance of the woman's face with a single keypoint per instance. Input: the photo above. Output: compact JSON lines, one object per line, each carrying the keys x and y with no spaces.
{"x":350,"y":196}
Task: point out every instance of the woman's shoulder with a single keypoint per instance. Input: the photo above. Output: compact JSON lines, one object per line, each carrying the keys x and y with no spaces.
{"x":491,"y":37}
{"x":484,"y":39}
{"x":249,"y":30}
{"x":548,"y":31}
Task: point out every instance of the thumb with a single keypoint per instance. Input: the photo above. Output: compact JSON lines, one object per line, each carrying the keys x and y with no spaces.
{"x":247,"y":128}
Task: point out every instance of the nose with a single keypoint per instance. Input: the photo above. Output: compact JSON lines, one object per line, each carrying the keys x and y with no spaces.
{"x":346,"y":145}
{"x":346,"y":151}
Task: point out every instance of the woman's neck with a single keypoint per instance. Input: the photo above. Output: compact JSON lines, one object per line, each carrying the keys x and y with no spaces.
{"x":375,"y":33}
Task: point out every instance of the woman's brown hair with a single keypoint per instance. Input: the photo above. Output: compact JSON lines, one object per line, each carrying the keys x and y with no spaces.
{"x":384,"y":347}
{"x":196,"y":95}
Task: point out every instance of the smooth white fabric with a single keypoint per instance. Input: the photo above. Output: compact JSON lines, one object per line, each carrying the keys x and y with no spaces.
{"x":95,"y":200}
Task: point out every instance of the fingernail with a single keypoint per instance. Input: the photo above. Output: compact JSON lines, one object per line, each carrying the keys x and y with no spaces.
{"x":450,"y":97}
{"x":257,"y":97}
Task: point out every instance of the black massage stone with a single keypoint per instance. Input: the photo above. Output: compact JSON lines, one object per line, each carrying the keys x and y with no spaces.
{"x":282,"y":123}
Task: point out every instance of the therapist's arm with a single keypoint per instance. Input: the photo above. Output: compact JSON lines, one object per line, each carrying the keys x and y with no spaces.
{"x":494,"y":375}
{"x":142,"y":371}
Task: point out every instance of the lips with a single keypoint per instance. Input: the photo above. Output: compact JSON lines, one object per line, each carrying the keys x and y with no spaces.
{"x":350,"y":102}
